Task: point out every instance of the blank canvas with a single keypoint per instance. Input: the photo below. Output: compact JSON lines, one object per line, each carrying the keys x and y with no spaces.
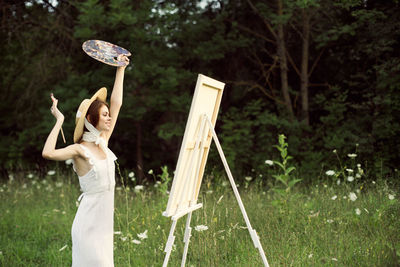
{"x":188,"y":177}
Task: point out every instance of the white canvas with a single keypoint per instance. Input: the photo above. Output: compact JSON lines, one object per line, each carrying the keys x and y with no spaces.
{"x":192,"y":160}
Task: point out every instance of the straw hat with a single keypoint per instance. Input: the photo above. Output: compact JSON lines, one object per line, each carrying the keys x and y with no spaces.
{"x":101,"y":94}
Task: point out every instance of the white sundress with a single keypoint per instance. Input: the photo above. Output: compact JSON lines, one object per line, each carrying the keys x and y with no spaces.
{"x":93,"y":227}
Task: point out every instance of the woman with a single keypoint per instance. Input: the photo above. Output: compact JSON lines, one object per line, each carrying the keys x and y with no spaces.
{"x":92,"y":229}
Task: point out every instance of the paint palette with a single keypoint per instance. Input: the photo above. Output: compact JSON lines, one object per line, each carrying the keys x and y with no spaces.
{"x":105,"y":52}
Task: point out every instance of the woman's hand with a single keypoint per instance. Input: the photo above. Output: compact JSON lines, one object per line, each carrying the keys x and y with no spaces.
{"x":123,"y":58}
{"x":54,"y":110}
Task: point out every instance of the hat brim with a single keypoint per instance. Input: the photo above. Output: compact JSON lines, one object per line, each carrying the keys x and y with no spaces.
{"x":101,"y":94}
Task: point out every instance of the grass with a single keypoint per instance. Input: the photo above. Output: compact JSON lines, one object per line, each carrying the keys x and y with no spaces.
{"x":306,"y":228}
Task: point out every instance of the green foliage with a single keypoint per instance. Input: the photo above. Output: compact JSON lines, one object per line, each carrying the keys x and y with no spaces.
{"x":284,"y":176}
{"x":163,"y":185}
{"x":354,"y":91}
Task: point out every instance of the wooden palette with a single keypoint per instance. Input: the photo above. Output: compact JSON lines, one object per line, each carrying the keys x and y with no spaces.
{"x":105,"y":52}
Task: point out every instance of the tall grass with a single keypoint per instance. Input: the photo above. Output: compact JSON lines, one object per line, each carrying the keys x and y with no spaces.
{"x":315,"y":226}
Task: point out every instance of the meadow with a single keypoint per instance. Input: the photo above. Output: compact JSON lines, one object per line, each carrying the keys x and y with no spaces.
{"x":322,"y":224}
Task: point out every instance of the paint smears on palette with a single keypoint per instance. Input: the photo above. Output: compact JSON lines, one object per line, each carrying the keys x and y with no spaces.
{"x":105,"y":52}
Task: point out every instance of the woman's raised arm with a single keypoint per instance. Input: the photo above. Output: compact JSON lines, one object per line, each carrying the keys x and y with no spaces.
{"x":116,"y":95}
{"x":49,"y":149}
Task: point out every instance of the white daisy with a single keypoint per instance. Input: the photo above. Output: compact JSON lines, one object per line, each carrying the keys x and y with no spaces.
{"x":142,"y":235}
{"x":352,"y":196}
{"x":269,"y":162}
{"x":330,"y":172}
{"x":200,"y":228}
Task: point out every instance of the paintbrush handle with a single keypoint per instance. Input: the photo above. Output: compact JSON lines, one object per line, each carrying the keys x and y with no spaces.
{"x":62,"y":134}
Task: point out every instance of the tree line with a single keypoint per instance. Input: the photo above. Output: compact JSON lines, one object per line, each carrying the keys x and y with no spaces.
{"x":325,"y":73}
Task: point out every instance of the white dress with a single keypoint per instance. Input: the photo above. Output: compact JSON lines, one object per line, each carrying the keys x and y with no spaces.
{"x":93,"y":227}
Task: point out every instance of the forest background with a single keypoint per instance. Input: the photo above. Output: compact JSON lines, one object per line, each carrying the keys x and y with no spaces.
{"x":326,"y":73}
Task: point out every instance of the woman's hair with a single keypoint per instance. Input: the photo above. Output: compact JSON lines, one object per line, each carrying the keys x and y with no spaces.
{"x":94,"y":112}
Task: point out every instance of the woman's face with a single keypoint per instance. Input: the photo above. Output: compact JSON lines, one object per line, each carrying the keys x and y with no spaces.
{"x":104,"y":119}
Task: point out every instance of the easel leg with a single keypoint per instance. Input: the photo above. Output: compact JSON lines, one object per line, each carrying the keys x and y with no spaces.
{"x":253,"y":234}
{"x":186,"y":238}
{"x":170,"y":243}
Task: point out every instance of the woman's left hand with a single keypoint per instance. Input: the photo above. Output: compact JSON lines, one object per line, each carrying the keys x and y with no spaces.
{"x":123,"y":58}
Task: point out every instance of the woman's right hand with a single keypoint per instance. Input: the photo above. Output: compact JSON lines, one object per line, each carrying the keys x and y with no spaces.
{"x":54,"y":110}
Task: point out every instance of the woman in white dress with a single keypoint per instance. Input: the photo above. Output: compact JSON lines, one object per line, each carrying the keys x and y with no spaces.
{"x":92,"y":229}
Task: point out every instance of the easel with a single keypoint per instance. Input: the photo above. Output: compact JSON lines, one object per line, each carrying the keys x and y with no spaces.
{"x":205,"y":128}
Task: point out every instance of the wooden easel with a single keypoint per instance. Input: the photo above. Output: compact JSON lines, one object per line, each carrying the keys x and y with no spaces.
{"x":205,"y":132}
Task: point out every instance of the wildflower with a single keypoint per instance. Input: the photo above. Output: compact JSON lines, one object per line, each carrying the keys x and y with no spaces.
{"x":329,"y":221}
{"x":117,"y":232}
{"x":350,"y":178}
{"x":224,"y":183}
{"x":358,"y":176}
{"x":350,"y":170}
{"x":64,"y":247}
{"x":269,"y":162}
{"x":338,"y":182}
{"x":200,"y":228}
{"x":334,"y":197}
{"x":123,"y":238}
{"x":358,"y":211}
{"x":68,"y":161}
{"x":59,"y":184}
{"x":334,"y":151}
{"x":352,"y":156}
{"x":142,"y":235}
{"x":330,"y":173}
{"x":135,"y":241}
{"x":334,"y":259}
{"x":248,"y":178}
{"x":150,"y":171}
{"x":139,"y":188}
{"x":373,"y":182}
{"x":131,"y":174}
{"x":310,"y":256}
{"x":51,"y":172}
{"x":358,"y":165}
{"x":30,"y":176}
{"x":352,"y":196}
{"x":391,"y":197}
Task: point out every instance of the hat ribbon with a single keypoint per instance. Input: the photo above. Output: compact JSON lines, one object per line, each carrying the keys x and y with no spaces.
{"x":94,"y":136}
